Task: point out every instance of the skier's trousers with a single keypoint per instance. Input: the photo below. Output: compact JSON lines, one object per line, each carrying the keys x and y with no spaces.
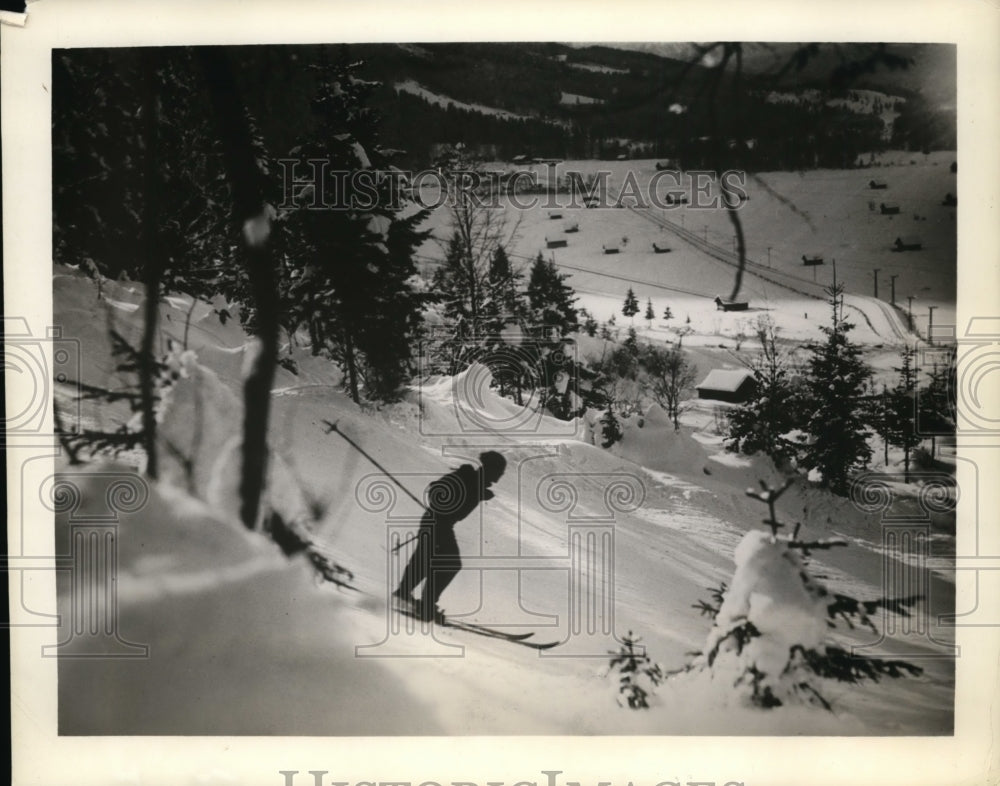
{"x":436,"y":558}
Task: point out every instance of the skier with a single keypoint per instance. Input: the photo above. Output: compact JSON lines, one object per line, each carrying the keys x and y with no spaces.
{"x":436,"y":558}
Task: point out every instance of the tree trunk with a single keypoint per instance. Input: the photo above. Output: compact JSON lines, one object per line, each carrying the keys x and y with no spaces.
{"x":153,"y":267}
{"x":252,"y":215}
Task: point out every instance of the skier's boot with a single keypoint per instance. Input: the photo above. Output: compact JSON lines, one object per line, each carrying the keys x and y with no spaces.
{"x":404,"y":598}
{"x":430,"y":612}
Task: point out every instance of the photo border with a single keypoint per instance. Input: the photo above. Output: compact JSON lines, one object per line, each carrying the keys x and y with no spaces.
{"x":41,"y":756}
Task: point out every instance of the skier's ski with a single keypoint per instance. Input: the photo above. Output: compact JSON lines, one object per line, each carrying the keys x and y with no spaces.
{"x":482,"y":630}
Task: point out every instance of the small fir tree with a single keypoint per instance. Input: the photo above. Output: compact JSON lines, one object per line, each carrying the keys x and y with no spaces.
{"x":631,"y":305}
{"x":611,"y":430}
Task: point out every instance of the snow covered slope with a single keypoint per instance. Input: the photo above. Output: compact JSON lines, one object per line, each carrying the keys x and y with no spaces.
{"x":243,"y":640}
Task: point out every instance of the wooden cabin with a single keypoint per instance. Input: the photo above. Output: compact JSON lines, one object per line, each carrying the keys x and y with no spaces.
{"x":877,"y":185}
{"x":812,"y":259}
{"x":888,"y":208}
{"x":660,"y":249}
{"x":558,"y":242}
{"x":732,"y":386}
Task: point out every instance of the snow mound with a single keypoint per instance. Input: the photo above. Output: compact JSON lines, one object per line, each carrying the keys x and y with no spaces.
{"x":167,"y":542}
{"x":470,"y":403}
{"x":200,"y":441}
{"x":651,"y":441}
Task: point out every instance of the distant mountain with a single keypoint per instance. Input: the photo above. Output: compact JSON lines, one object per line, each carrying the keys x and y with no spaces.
{"x":662,"y":100}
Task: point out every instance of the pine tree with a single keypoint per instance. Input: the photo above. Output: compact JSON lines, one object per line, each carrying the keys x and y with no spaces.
{"x":550,"y":298}
{"x":902,"y":410}
{"x":650,"y":314}
{"x":589,"y":323}
{"x":352,"y":268}
{"x":631,"y":306}
{"x":835,"y":395}
{"x":773,"y":407}
{"x":504,"y":301}
{"x":668,"y":314}
{"x":631,"y":342}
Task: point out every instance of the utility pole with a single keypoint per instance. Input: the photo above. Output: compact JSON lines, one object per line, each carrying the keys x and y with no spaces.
{"x":875,"y":277}
{"x":909,"y":310}
{"x":892,"y":285}
{"x":769,"y":256}
{"x":930,"y":324}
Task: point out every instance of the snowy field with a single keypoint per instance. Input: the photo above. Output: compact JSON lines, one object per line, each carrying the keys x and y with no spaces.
{"x":787,"y":215}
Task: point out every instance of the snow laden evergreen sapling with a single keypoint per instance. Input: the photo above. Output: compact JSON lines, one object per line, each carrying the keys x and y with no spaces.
{"x":638,"y":674}
{"x":770,"y":636}
{"x":611,"y":430}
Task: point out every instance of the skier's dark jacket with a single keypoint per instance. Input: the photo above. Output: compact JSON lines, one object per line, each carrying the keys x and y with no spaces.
{"x":453,"y":497}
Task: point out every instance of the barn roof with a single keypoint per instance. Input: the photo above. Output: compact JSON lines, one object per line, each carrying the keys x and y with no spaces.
{"x":727,"y":380}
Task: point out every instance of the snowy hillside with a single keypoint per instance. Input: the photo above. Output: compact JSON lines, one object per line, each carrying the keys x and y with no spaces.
{"x":242,"y":638}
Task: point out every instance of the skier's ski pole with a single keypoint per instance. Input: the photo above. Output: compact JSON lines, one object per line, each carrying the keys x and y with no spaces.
{"x":332,"y":428}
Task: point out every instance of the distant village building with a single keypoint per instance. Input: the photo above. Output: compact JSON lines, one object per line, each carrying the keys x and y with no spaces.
{"x":888,"y":208}
{"x":558,"y":242}
{"x":659,"y":248}
{"x":907,"y":243}
{"x":733,"y":386}
{"x":730,"y":305}
{"x":812,"y":259}
{"x":610,"y":248}
{"x":877,"y":184}
{"x":571,"y":227}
